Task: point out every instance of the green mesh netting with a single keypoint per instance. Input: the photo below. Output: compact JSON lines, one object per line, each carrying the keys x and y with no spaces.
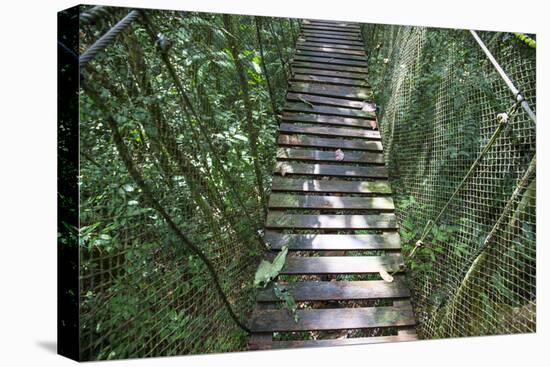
{"x":143,"y":293}
{"x":439,"y":98}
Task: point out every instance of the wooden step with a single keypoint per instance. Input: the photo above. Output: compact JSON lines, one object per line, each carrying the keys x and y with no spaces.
{"x":329,"y":40}
{"x":335,"y":102}
{"x":295,"y":128}
{"x":285,"y":344}
{"x":333,"y":30}
{"x":330,"y":67}
{"x":329,"y":80}
{"x":342,"y":264}
{"x":327,"y":110}
{"x":303,"y":47}
{"x":294,"y":201}
{"x":304,"y":42}
{"x":331,"y":319}
{"x":338,"y":37}
{"x":325,"y":119}
{"x":330,"y":186}
{"x":329,"y":73}
{"x":332,"y":23}
{"x":288,"y":168}
{"x":333,"y":242}
{"x":339,"y":290}
{"x":332,"y":55}
{"x":329,"y":156}
{"x":361,"y":94}
{"x":330,"y":60}
{"x":282,"y":220}
{"x":317,"y":142}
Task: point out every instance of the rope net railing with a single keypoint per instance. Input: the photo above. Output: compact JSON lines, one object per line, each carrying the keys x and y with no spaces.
{"x":178,"y":119}
{"x":441,"y":101}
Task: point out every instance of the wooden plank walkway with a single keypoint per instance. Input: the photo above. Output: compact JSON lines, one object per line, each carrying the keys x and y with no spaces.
{"x":331,"y":205}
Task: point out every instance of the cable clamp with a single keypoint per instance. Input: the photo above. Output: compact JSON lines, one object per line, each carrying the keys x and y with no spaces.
{"x":502,"y":118}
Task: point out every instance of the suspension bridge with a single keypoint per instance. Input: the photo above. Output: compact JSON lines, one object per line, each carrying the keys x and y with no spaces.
{"x":331,"y":204}
{"x":330,"y":185}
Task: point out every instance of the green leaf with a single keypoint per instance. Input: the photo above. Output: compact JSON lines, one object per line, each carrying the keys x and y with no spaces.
{"x":268,"y":271}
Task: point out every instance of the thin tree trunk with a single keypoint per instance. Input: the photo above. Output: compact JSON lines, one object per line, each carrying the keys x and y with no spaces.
{"x":258,"y":23}
{"x":252,"y":130}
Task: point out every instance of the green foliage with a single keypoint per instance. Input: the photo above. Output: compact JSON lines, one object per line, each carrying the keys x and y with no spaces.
{"x":140,"y":286}
{"x":282,"y":293}
{"x":268,"y":271}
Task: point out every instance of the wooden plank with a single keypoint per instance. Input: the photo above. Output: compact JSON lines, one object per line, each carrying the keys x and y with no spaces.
{"x":312,"y":38}
{"x":325,"y":119}
{"x":332,"y":50}
{"x":317,"y":142}
{"x":360,"y":94}
{"x":332,"y":55}
{"x":330,"y":186}
{"x":331,"y":319}
{"x":315,"y":99}
{"x":328,"y":28}
{"x":282,"y":220}
{"x":331,"y":170}
{"x":330,"y":60}
{"x":330,"y":67}
{"x":331,"y":35}
{"x":286,"y":127}
{"x":286,"y":344}
{"x":328,"y":156}
{"x":331,"y":23}
{"x":337,"y":35}
{"x":342,"y":264}
{"x":258,"y":341}
{"x":339,"y":290}
{"x":327,"y":110}
{"x":329,"y":80}
{"x":333,"y":242}
{"x":331,"y":73}
{"x":300,"y":42}
{"x":293,"y":201}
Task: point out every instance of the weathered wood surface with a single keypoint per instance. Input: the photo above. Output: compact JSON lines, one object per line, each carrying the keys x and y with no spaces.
{"x":325,"y":119}
{"x":291,"y":168}
{"x":331,"y":319}
{"x":361,"y":94}
{"x":326,"y":110}
{"x":332,"y":55}
{"x":330,"y":60}
{"x":332,"y":23}
{"x":318,"y":142}
{"x":308,"y":47}
{"x":282,"y":220}
{"x":330,"y":101}
{"x":332,"y":73}
{"x":330,"y":28}
{"x":333,"y":242}
{"x":330,"y":67}
{"x":328,"y":80}
{"x":338,"y":37}
{"x":329,"y":156}
{"x":339,"y":290}
{"x":342,"y":264}
{"x":344,"y":132}
{"x":330,"y":186}
{"x":294,"y":201}
{"x":333,"y":42}
{"x":285,"y":344}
